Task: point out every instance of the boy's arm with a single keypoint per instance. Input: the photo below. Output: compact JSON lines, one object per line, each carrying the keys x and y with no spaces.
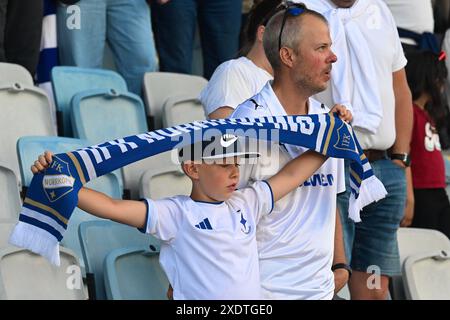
{"x":133,"y":213}
{"x":294,"y":173}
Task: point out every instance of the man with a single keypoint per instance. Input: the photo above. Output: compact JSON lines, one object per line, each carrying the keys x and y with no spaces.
{"x":295,"y":241}
{"x":372,"y":244}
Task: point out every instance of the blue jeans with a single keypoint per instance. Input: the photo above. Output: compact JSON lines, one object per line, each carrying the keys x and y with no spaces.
{"x":125,"y":24}
{"x":175,"y":23}
{"x":373,"y":241}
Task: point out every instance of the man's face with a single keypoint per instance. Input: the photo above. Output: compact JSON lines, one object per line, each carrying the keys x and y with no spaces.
{"x":343,"y":3}
{"x":312,"y":64}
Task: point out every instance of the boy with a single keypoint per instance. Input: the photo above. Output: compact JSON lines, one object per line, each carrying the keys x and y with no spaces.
{"x":209,"y":248}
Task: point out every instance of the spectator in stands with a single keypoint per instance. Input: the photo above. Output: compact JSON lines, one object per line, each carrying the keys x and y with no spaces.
{"x":415,"y":23}
{"x":209,"y":248}
{"x":175,"y":23}
{"x":296,"y":241}
{"x":427,"y":74}
{"x":384,"y":132}
{"x":124,"y":24}
{"x":20,"y":32}
{"x":236,"y":80}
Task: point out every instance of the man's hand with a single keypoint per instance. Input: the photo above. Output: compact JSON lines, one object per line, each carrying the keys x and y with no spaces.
{"x":343,"y":112}
{"x":409,"y":208}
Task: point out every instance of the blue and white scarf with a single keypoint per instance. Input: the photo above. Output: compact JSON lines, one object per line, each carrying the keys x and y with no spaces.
{"x":53,"y":194}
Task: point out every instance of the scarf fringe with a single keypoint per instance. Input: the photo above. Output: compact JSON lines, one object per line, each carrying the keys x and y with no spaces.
{"x":36,"y":240}
{"x":371,"y":190}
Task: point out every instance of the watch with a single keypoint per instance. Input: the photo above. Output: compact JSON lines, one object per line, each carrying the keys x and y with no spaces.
{"x":403,"y":157}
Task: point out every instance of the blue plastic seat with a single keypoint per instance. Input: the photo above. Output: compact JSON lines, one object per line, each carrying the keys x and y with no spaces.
{"x":99,"y":238}
{"x":29,"y":148}
{"x":68,"y":81}
{"x":134,"y":274}
{"x":102,"y":115}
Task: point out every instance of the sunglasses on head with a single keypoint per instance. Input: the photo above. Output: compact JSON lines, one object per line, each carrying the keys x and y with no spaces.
{"x":293,"y":9}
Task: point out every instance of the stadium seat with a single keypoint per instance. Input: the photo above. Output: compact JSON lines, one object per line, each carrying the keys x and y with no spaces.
{"x":98,"y":238}
{"x":25,"y":111}
{"x":134,"y":274}
{"x":30,"y":147}
{"x":159,"y":86}
{"x":9,"y":196}
{"x":25,"y":275}
{"x":427,"y":276}
{"x":181,"y":109}
{"x":414,"y":241}
{"x":102,"y":115}
{"x":68,"y":81}
{"x":14,"y":73}
{"x":132,"y":173}
{"x":173,"y":179}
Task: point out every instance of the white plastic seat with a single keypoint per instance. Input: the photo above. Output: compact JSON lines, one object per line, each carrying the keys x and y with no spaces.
{"x":162,"y":182}
{"x":25,"y":112}
{"x":25,"y":275}
{"x":159,"y":86}
{"x":181,"y":109}
{"x":11,"y":73}
{"x":10,"y":202}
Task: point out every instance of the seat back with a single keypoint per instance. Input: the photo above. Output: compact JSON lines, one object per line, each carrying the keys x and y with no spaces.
{"x":171,"y":177}
{"x":102,"y":115}
{"x":25,"y":112}
{"x":159,"y":86}
{"x":11,"y":73}
{"x":134,"y":274}
{"x":68,"y":81}
{"x":9,"y":196}
{"x":30,"y":147}
{"x":25,"y":275}
{"x":181,"y":109}
{"x":98,"y":238}
{"x":414,"y":241}
{"x":133,"y":172}
{"x":427,"y":276}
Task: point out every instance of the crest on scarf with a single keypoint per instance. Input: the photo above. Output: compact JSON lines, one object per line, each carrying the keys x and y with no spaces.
{"x":60,"y":182}
{"x":344,"y":138}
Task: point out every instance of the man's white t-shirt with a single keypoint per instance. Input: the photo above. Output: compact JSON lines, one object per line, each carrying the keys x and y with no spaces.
{"x":296,"y":241}
{"x":232,"y":83}
{"x":209,"y":250}
{"x":379,"y":30}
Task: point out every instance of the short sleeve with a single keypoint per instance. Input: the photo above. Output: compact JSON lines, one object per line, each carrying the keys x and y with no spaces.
{"x":258,"y":197}
{"x":340,"y":176}
{"x":164,"y":218}
{"x":227,"y":87}
{"x":399,"y":60}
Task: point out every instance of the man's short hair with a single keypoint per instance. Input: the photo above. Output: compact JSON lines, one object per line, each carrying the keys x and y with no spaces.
{"x":291,"y":34}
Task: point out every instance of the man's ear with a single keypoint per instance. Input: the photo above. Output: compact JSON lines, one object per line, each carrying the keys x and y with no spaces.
{"x":287,"y":56}
{"x":260,"y":33}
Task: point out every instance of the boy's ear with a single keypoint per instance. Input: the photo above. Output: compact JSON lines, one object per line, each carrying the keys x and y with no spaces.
{"x":190,"y":168}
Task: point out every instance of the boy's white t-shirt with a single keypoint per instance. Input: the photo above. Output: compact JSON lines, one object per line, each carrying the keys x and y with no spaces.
{"x":296,"y":241}
{"x":209,"y":250}
{"x":232,"y":83}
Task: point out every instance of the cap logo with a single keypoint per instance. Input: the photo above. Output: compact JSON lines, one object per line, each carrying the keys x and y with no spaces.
{"x":227,"y":140}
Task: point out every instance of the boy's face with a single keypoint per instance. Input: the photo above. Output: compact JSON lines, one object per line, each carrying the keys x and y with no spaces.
{"x":217,"y":181}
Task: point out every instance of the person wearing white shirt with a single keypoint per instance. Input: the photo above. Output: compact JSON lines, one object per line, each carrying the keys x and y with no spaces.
{"x":236,"y":80}
{"x":372,"y":243}
{"x":296,"y":242}
{"x":209,"y":248}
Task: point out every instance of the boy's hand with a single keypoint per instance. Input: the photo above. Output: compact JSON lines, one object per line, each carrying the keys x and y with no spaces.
{"x":343,"y":112}
{"x":42,"y":162}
